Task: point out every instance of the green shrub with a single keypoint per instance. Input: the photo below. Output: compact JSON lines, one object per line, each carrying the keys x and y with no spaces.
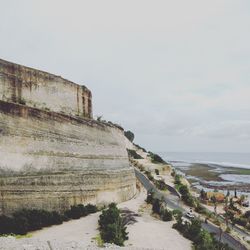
{"x":177,"y":214}
{"x":26,"y":220}
{"x":112,"y":229}
{"x":133,"y":154}
{"x":157,"y":171}
{"x":90,"y":209}
{"x":202,"y":239}
{"x":240,"y":221}
{"x":76,"y":212}
{"x":166,"y":215}
{"x":160,"y":184}
{"x":143,"y":149}
{"x":177,"y":180}
{"x":156,"y":206}
{"x":149,"y":175}
{"x":129,"y":135}
{"x":150,"y":197}
{"x":156,"y":158}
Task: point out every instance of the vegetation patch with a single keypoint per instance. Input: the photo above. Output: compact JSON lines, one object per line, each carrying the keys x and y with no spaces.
{"x":156,"y":158}
{"x":201,"y":239}
{"x":26,"y":220}
{"x":158,"y":207}
{"x":133,"y":154}
{"x":112,"y":226}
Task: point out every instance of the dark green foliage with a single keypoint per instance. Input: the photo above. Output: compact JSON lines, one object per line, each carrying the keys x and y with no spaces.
{"x":200,"y":209}
{"x":90,"y":209}
{"x":193,"y":231}
{"x":76,"y":212}
{"x":173,"y":173}
{"x":160,"y":184}
{"x":202,"y":239}
{"x":184,"y":190}
{"x":129,"y":135}
{"x":186,"y":196}
{"x":27,"y":220}
{"x":111,"y":225}
{"x":166,"y":215}
{"x":156,"y":206}
{"x":133,"y":154}
{"x":156,"y":158}
{"x":247,"y":214}
{"x":240,"y":221}
{"x":203,"y":195}
{"x":143,"y":149}
{"x":177,"y":214}
{"x":157,"y":171}
{"x":149,"y":175}
{"x":150,"y":197}
{"x":177,"y":179}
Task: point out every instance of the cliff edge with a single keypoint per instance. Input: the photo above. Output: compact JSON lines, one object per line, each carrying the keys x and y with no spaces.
{"x":52,"y":153}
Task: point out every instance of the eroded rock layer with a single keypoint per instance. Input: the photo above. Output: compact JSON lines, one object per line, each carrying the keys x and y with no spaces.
{"x":51,"y":160}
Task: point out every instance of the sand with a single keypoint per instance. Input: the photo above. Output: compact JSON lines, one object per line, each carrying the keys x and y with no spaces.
{"x":148,"y":232}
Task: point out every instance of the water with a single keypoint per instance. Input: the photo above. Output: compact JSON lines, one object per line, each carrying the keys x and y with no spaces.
{"x":182,"y":160}
{"x":237,"y":160}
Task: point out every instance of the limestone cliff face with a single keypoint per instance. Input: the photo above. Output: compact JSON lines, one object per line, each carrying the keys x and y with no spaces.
{"x":38,"y":89}
{"x":52,"y":160}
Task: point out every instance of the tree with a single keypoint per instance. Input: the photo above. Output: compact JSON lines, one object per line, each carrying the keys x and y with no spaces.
{"x":130,"y":135}
{"x":235,"y":193}
{"x":203,"y":195}
{"x":166,"y":215}
{"x":111,"y":226}
{"x":156,"y":206}
{"x":157,"y":171}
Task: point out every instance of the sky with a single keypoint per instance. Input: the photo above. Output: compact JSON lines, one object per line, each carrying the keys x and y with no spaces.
{"x":176,"y":73}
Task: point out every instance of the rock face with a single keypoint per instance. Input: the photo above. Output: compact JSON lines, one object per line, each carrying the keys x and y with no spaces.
{"x":42,"y":90}
{"x":52,"y":155}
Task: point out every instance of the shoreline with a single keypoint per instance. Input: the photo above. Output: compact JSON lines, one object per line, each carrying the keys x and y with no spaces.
{"x":215,"y":176}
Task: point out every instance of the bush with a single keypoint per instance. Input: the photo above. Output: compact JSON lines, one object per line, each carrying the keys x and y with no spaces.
{"x":76,"y":212}
{"x":160,"y":184}
{"x":150,"y":197}
{"x":177,"y":214}
{"x":157,"y":171}
{"x":133,"y":154}
{"x":149,"y":175}
{"x":177,"y":180}
{"x":90,"y":209}
{"x":166,"y":215}
{"x":156,"y":206}
{"x":240,"y":221}
{"x":200,"y":209}
{"x":156,"y":158}
{"x":247,"y":214}
{"x":129,"y":135}
{"x":143,"y":149}
{"x":26,"y":220}
{"x":112,"y":229}
{"x":202,"y":239}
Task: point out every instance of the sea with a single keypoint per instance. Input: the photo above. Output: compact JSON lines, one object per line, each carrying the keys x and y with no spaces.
{"x":220,"y":160}
{"x":237,"y":160}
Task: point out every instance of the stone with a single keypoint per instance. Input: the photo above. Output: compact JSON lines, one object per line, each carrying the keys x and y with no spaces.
{"x":52,"y":153}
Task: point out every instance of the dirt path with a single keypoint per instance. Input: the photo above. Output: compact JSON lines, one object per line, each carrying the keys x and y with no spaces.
{"x":147,"y":232}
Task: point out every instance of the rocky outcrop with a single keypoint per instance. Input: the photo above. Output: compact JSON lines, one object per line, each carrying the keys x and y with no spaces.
{"x":39,"y":89}
{"x":51,"y":160}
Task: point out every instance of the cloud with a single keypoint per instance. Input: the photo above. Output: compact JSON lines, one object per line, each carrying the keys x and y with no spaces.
{"x":174,"y":71}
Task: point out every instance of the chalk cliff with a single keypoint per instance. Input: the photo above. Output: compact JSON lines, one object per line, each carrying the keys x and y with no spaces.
{"x":52,"y":153}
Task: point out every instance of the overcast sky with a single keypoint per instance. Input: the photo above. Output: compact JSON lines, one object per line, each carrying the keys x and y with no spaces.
{"x":176,"y":73}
